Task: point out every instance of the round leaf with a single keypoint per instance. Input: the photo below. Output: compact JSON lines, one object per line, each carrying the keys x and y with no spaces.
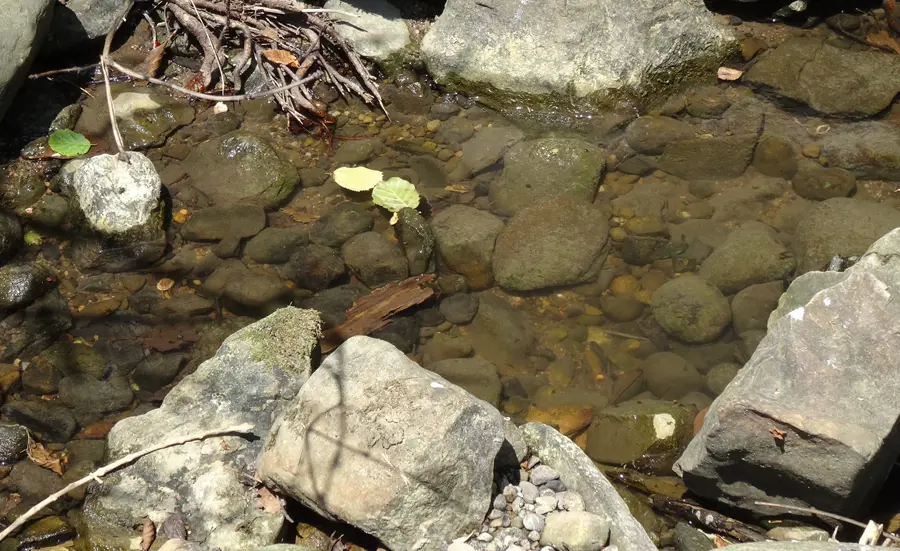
{"x":395,"y":194}
{"x":358,"y":178}
{"x":68,"y":143}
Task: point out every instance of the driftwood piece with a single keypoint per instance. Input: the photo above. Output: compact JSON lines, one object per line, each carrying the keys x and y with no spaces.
{"x":709,"y":519}
{"x":375,"y":309}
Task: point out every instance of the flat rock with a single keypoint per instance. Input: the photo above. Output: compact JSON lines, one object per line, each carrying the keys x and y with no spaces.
{"x":465,"y":239}
{"x":253,"y":376}
{"x":831,"y":80}
{"x":870,"y":150}
{"x":708,"y":158}
{"x":751,"y":254}
{"x":833,"y":459}
{"x":409,"y":455}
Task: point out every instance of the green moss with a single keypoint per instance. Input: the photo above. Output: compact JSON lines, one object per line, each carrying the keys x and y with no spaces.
{"x":288,"y":339}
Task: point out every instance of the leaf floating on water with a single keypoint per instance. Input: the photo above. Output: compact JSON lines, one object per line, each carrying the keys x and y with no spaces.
{"x":69,"y":143}
{"x":282,"y":57}
{"x":395,"y":194}
{"x":357,"y":178}
{"x":41,"y":456}
{"x":726,"y":73}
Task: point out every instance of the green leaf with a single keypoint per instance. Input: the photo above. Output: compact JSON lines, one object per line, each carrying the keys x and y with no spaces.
{"x":69,"y":144}
{"x":395,"y":194}
{"x":357,"y":179}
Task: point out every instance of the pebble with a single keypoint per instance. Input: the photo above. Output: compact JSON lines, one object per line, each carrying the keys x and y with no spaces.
{"x":534,"y":535}
{"x":555,"y":485}
{"x":533,"y":522}
{"x":510,"y":493}
{"x":500,"y":502}
{"x":543,"y":474}
{"x":529,"y":491}
{"x":485,"y":537}
{"x":570,"y":501}
{"x":495,"y":514}
{"x":546,"y":504}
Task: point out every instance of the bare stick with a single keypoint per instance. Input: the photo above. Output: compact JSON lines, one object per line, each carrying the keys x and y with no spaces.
{"x":813,"y":511}
{"x":209,"y":97}
{"x":244,"y":428}
{"x":107,"y":44}
{"x":66,"y":70}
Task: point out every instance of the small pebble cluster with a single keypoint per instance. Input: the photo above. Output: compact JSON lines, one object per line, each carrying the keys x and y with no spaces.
{"x":526,"y":516}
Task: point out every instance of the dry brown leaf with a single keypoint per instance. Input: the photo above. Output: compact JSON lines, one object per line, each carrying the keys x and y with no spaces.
{"x":726,"y":73}
{"x":883,"y":39}
{"x":54,"y":461}
{"x":95,"y":431}
{"x":268,"y":502}
{"x":777,"y":434}
{"x":282,"y":57}
{"x":148,"y":534}
{"x":457,"y":188}
{"x":720,"y":541}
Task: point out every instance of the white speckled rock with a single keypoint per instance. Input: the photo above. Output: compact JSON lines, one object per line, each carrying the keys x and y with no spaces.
{"x":117,"y":195}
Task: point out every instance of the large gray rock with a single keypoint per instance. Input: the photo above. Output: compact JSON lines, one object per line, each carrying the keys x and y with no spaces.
{"x":374,"y":28}
{"x":823,"y":377}
{"x":22,"y":29}
{"x":254,"y":375}
{"x":558,"y":241}
{"x":840,"y":226}
{"x":802,"y":546}
{"x":544,"y":168}
{"x":581,"y":476}
{"x":117,"y":196}
{"x":831,"y":80}
{"x":379,"y":442}
{"x":527,"y":47}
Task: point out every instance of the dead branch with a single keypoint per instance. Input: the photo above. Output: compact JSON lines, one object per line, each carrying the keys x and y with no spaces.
{"x":104,"y":60}
{"x":818,"y":512}
{"x":244,"y":428}
{"x":707,"y":518}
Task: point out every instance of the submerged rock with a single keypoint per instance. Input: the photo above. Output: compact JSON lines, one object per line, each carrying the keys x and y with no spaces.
{"x":410,"y":455}
{"x":840,"y":226}
{"x":241,"y":168}
{"x":544,"y":168}
{"x":465,"y":238}
{"x":559,"y":241}
{"x":708,"y":158}
{"x":831,"y":80}
{"x":751,"y":254}
{"x":21,"y":284}
{"x":527,"y":48}
{"x":870,"y":150}
{"x":254,"y":374}
{"x":10,"y":235}
{"x":374,"y":259}
{"x":691,"y":309}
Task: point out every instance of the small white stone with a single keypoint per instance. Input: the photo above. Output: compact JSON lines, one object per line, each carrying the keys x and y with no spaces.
{"x":664,"y":425}
{"x":542,"y":474}
{"x":485,"y":537}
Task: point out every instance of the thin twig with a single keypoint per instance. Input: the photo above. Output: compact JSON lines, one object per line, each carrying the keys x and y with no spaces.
{"x":814,"y":511}
{"x":66,"y":70}
{"x":104,"y":60}
{"x":209,"y":97}
{"x":244,"y":428}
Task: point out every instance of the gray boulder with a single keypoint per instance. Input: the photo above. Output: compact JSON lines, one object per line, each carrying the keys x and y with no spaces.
{"x":839,"y":348}
{"x":23,"y":26}
{"x":650,"y":134}
{"x":816,"y":182}
{"x":544,"y":168}
{"x":582,"y":476}
{"x":558,"y":241}
{"x":802,"y":546}
{"x":840,"y":226}
{"x":719,"y":157}
{"x":465,"y":240}
{"x":255,"y":373}
{"x":379,"y":442}
{"x":751,"y":254}
{"x":373,"y":28}
{"x":527,"y":47}
{"x":831,"y":80}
